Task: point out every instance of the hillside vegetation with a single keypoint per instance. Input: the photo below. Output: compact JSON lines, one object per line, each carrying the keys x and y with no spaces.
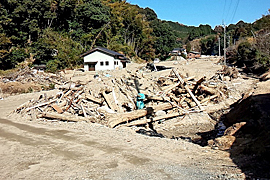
{"x":56,"y":33}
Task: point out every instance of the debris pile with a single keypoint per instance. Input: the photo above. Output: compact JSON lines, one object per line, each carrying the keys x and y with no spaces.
{"x":130,"y":100}
{"x":29,"y":75}
{"x":28,"y":80}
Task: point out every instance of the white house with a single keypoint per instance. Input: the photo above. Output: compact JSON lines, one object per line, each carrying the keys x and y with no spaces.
{"x":100,"y":58}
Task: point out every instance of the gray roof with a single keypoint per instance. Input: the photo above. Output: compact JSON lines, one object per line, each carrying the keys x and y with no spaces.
{"x":106,"y":51}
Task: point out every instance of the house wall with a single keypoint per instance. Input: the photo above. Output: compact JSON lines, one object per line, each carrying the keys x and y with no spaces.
{"x":104,"y":61}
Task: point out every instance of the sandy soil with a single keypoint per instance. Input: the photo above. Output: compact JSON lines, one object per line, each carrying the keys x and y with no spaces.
{"x":59,"y":150}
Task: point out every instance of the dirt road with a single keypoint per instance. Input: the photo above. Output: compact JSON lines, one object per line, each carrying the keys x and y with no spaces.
{"x":59,"y":150}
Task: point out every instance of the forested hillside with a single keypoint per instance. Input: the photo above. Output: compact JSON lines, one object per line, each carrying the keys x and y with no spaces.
{"x":56,"y":32}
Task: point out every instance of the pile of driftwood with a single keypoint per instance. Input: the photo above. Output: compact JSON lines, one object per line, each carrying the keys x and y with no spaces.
{"x":27,"y":74}
{"x":112,"y":101}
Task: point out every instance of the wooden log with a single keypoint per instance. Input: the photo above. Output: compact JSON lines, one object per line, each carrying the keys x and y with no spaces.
{"x":163,"y":106}
{"x":182,"y":100}
{"x":167,"y":116}
{"x":65,"y":117}
{"x":115,"y":119}
{"x":189,"y":78}
{"x":145,"y":121}
{"x":138,"y":122}
{"x":208,"y":98}
{"x":157,"y":98}
{"x":108,"y":101}
{"x":39,"y":105}
{"x":199,"y":82}
{"x":22,"y":106}
{"x":68,"y":93}
{"x":207,"y":90}
{"x":168,"y":88}
{"x":92,"y":98}
{"x":188,"y":90}
{"x":84,"y":112}
{"x":174,"y":98}
{"x":126,"y":94}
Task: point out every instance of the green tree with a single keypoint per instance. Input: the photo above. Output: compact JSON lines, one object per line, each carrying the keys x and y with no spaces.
{"x":165,"y":38}
{"x":209,"y":45}
{"x":57,"y":50}
{"x":130,"y":28}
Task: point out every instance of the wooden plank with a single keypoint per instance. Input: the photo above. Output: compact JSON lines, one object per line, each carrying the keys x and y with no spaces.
{"x":57,"y":108}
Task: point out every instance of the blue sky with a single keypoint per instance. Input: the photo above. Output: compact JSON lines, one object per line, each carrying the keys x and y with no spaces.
{"x":212,"y":12}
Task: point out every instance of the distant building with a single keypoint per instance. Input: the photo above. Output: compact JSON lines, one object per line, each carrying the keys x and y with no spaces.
{"x":178,"y":52}
{"x":100,"y":58}
{"x":39,"y":67}
{"x":193,"y":54}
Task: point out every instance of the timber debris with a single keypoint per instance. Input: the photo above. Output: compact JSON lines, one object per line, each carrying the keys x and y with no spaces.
{"x":113,"y":101}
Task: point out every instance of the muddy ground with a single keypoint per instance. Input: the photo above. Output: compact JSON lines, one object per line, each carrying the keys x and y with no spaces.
{"x":41,"y":149}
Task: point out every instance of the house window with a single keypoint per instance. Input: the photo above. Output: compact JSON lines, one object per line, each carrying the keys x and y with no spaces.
{"x":107,"y":63}
{"x":115,"y":62}
{"x":101,"y":63}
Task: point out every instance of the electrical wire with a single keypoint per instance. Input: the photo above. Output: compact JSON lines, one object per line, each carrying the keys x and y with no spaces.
{"x":235,"y":9}
{"x":228,"y":10}
{"x":224,"y":9}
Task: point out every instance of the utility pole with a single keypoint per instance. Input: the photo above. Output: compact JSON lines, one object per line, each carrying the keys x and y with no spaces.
{"x":219,"y":46}
{"x":224,"y":43}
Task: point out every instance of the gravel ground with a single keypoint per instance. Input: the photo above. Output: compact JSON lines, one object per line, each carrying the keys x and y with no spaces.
{"x":61,"y":150}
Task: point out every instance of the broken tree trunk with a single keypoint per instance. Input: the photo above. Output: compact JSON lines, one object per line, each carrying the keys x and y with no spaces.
{"x":115,"y":119}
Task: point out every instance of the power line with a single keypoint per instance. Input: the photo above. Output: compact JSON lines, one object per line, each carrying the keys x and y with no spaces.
{"x":229,"y":9}
{"x":224,"y":9}
{"x":235,"y":9}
